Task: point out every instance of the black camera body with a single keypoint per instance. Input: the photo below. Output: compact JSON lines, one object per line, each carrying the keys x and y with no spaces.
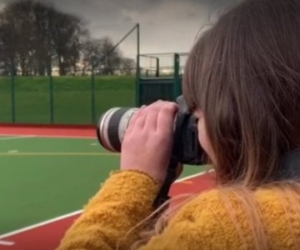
{"x":186,"y":148}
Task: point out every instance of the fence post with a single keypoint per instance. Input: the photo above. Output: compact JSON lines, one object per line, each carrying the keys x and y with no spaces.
{"x":137,"y":83}
{"x":12,"y":89}
{"x":157,"y":68}
{"x":137,"y":80}
{"x":51,"y":94}
{"x":177,"y":83}
{"x":93,"y":106}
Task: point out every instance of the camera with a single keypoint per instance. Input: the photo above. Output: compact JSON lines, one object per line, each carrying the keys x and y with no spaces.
{"x":113,"y":123}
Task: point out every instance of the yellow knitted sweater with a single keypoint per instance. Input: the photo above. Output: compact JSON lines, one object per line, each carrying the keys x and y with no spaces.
{"x":204,"y":223}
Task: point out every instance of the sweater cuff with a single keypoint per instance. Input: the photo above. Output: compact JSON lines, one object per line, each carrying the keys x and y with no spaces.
{"x":128,"y":187}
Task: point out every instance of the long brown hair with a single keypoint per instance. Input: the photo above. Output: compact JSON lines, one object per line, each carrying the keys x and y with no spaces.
{"x":244,"y":74}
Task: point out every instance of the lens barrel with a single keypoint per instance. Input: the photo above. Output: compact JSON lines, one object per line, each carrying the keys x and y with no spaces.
{"x":112,"y":126}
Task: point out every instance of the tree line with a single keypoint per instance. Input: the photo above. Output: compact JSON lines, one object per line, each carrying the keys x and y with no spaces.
{"x":35,"y":37}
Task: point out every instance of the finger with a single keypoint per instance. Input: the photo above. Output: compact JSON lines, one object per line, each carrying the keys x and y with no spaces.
{"x":134,"y":118}
{"x":137,"y":116}
{"x":140,"y":121}
{"x":152,"y":114}
{"x":166,"y":116}
{"x":138,"y":113}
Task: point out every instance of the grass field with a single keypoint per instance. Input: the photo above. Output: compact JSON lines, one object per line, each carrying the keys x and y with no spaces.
{"x":72,"y":98}
{"x":48,"y":174}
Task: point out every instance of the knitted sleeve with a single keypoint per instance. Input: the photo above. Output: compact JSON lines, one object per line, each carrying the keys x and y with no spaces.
{"x":124,"y":200}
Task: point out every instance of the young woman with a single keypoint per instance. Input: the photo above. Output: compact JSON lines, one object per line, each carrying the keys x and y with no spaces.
{"x":242,"y":81}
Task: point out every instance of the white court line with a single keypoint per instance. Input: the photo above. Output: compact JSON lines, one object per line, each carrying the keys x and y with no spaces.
{"x":53,"y":136}
{"x":22,"y":230}
{"x":16,"y":137}
{"x":67,"y":137}
{"x":6,"y":243}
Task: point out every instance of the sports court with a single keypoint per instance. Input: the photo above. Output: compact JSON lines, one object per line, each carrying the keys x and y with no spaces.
{"x":48,"y":175}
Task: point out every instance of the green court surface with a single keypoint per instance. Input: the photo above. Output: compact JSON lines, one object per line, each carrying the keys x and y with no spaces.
{"x":42,"y":178}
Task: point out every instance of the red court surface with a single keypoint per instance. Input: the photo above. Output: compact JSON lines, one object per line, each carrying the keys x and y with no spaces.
{"x":49,"y":131}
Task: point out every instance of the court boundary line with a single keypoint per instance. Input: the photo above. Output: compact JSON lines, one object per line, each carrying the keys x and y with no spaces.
{"x":14,"y":137}
{"x":62,"y":154}
{"x":56,"y":219}
{"x":53,"y":136}
{"x":6,"y":243}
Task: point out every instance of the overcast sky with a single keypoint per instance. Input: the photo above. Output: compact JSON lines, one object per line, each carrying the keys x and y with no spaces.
{"x":166,"y":25}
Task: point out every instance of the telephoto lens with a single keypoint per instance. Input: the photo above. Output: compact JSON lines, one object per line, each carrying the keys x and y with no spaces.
{"x":112,"y":126}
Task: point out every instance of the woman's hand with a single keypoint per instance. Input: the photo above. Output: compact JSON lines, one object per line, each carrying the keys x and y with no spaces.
{"x":148,"y":141}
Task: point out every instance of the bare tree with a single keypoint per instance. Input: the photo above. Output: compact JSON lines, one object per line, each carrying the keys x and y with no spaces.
{"x":91,"y":53}
{"x":102,"y":55}
{"x":66,"y":32}
{"x":35,"y":36}
{"x":127,"y":66}
{"x":34,"y":33}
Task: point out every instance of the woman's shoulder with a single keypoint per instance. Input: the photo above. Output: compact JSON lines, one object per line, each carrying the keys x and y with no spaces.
{"x":224,"y":213}
{"x":219,"y":197}
{"x":230,"y":199}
